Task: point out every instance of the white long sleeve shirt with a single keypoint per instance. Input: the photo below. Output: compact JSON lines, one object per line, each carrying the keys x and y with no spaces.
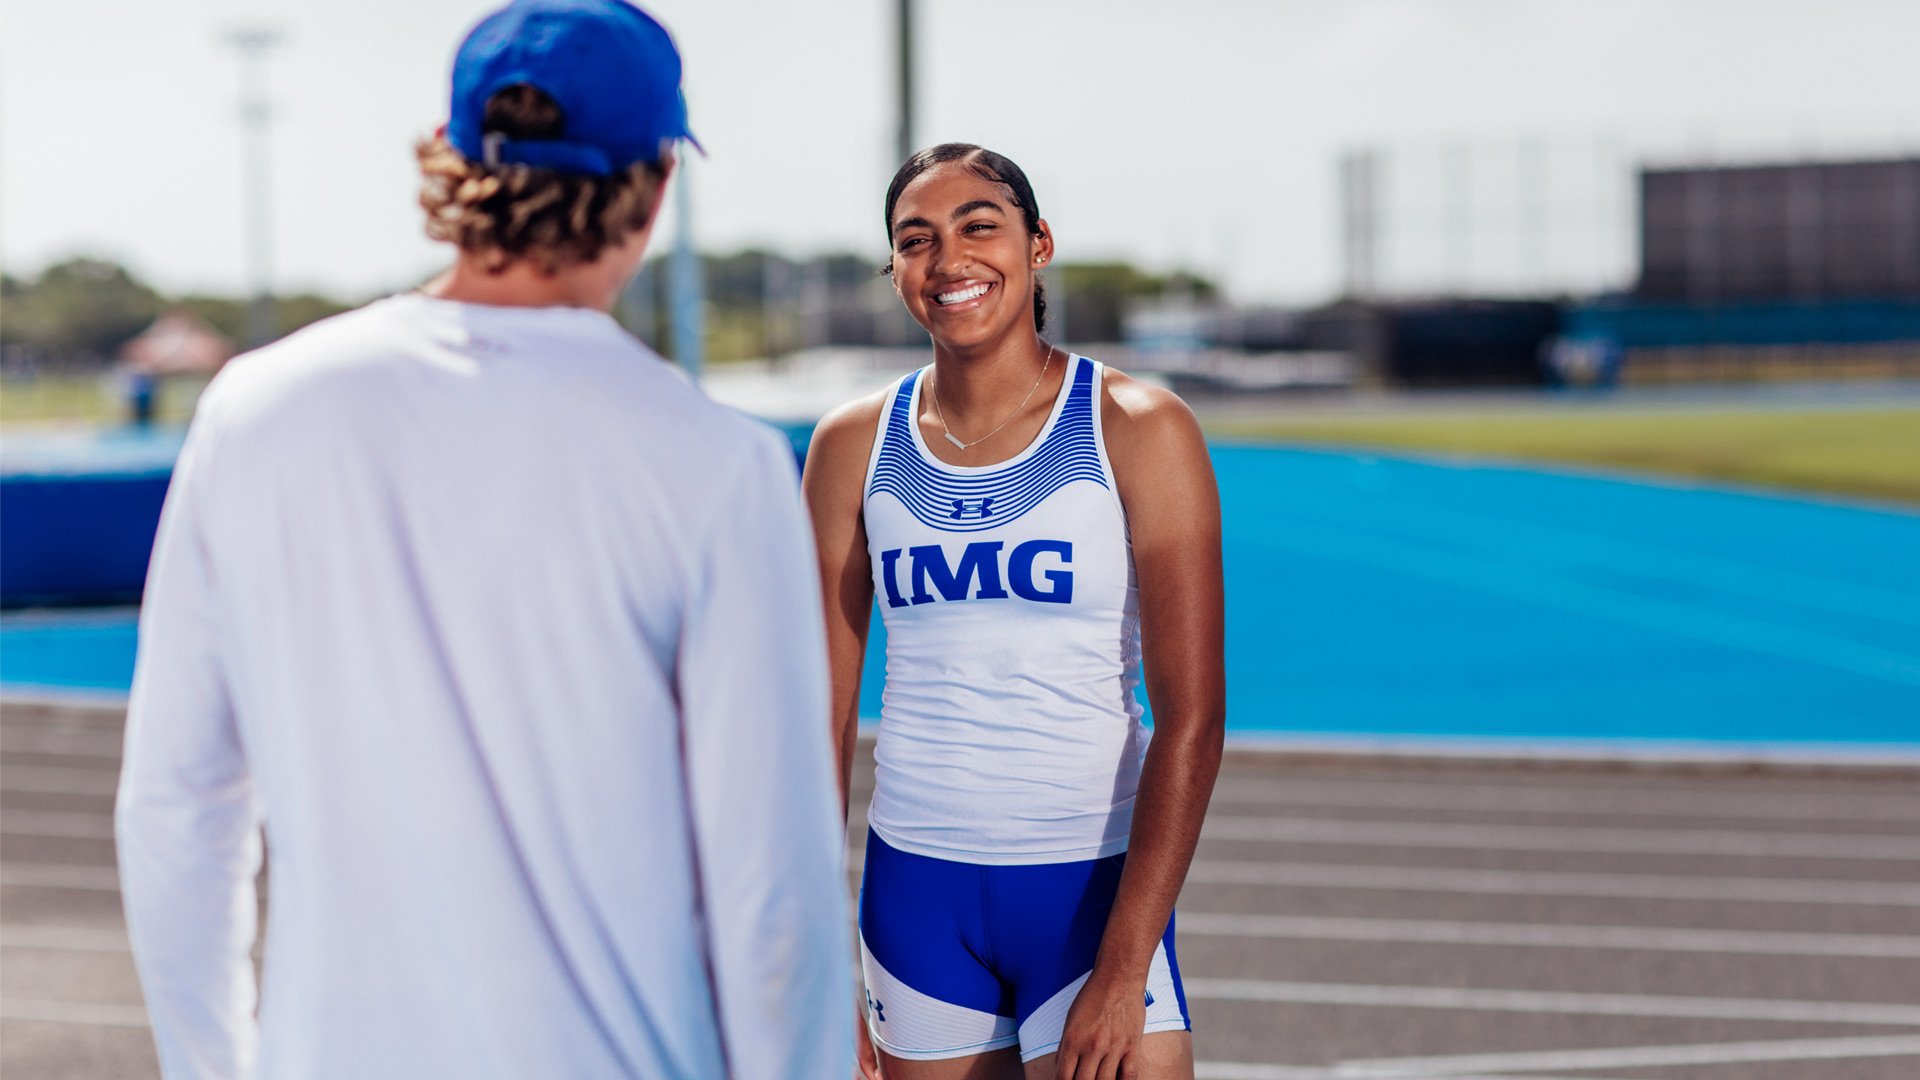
{"x":511,"y":640}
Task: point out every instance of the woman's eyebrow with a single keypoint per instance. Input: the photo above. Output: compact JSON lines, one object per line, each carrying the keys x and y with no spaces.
{"x":978,"y":204}
{"x":958,"y":212}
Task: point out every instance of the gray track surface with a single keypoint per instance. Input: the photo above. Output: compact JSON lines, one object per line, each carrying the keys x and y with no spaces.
{"x":1347,"y":918}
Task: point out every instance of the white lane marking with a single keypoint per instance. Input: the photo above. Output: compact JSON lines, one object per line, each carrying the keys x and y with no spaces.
{"x":108,"y":705}
{"x":1639,"y":1057}
{"x":59,"y":780}
{"x":1527,"y":798}
{"x":1542,"y":1001}
{"x":1550,"y":935}
{"x":1557,"y":838}
{"x":1247,"y":1071}
{"x":86,"y":878}
{"x":64,"y":743}
{"x":1554,"y":883}
{"x":1491,"y":751}
{"x":68,"y":1012}
{"x":63,"y":939}
{"x":1235,"y":1070}
{"x":57,"y":824}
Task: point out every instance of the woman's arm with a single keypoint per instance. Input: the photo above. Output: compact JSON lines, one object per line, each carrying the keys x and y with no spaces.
{"x":832,"y":482}
{"x":1173,"y":512}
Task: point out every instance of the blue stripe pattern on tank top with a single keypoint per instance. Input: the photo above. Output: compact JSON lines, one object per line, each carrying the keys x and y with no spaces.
{"x":971,"y":502}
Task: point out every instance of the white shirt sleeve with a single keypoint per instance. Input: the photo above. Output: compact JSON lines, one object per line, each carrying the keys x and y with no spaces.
{"x":755,"y":705}
{"x":186,"y":819}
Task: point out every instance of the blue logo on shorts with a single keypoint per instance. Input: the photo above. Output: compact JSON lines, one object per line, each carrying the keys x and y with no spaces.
{"x":878,"y":1010}
{"x":1149,"y":999}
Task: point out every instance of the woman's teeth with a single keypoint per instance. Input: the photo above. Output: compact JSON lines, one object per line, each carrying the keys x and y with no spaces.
{"x":960,"y":295}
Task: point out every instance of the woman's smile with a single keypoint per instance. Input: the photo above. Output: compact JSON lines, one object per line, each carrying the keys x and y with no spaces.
{"x":962,"y":296}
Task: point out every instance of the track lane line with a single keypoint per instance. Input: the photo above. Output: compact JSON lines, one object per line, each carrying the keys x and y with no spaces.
{"x":1612,"y":802}
{"x":1550,"y":935}
{"x":69,"y":1012}
{"x":1637,"y":1057}
{"x":1565,"y":838}
{"x":1416,"y":879}
{"x":59,"y":780}
{"x":59,"y":876}
{"x":64,"y":744}
{"x":1567,"y":1003}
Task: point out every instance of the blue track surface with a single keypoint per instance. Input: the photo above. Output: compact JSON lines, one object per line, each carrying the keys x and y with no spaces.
{"x":1385,"y":596}
{"x":45,"y":651}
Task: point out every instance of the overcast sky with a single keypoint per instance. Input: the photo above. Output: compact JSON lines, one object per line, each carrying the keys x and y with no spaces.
{"x":1204,"y":133}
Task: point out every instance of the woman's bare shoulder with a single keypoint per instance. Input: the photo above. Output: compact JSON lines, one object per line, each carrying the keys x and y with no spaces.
{"x":843,"y":439}
{"x":1134,"y":410}
{"x":855,"y":419}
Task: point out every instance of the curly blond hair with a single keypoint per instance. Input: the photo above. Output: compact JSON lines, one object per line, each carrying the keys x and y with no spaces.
{"x":509,"y":213}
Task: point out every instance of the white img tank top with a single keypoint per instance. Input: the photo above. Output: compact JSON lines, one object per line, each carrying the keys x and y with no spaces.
{"x":1009,"y":729}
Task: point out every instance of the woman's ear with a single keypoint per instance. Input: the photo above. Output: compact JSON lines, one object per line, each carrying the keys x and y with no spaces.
{"x":1042,"y":244}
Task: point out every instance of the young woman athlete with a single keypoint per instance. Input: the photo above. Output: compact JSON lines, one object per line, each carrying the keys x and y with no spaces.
{"x":1029,"y":522}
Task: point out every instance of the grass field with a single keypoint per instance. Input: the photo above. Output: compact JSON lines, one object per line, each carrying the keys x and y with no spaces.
{"x":1872,"y":452}
{"x":90,"y":399}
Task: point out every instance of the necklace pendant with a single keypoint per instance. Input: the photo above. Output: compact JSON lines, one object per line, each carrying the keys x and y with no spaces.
{"x":953,"y":440}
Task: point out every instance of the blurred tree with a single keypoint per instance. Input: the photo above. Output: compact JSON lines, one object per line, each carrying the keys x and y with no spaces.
{"x":228,"y":314}
{"x":1094,"y":296}
{"x":77,"y":312}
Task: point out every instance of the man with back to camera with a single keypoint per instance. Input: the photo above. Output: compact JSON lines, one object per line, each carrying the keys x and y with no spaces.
{"x":509,"y":637}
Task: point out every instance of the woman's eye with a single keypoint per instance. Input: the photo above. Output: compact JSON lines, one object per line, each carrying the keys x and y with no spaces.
{"x":980,"y":226}
{"x":911,"y":241}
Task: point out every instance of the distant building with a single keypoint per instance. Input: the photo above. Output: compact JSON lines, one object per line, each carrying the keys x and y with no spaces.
{"x":1813,"y":231}
{"x":177,"y":343}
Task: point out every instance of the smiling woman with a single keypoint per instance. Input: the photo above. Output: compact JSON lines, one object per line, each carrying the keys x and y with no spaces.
{"x":1025,"y":844}
{"x":988,"y":166}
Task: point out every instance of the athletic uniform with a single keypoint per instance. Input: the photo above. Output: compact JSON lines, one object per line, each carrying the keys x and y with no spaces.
{"x":1010,"y":738}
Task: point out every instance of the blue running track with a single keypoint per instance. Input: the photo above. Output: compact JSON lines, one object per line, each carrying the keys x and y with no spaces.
{"x":1380,"y":596}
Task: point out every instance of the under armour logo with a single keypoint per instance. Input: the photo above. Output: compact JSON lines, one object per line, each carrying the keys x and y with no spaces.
{"x":878,"y":1010}
{"x":971,"y":508}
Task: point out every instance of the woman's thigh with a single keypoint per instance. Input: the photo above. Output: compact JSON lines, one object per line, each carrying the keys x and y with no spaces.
{"x":1001,"y":1064}
{"x":1163,"y":1055}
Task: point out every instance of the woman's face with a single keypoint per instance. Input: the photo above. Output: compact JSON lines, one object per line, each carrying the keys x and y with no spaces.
{"x":963,"y":260}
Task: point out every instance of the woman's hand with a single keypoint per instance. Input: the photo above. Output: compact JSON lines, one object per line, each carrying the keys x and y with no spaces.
{"x":866,"y":1063}
{"x":1103,"y":1029}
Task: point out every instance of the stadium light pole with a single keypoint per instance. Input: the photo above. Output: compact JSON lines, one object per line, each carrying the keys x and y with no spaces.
{"x":683,"y":282}
{"x":252,"y":44}
{"x":903,"y":138}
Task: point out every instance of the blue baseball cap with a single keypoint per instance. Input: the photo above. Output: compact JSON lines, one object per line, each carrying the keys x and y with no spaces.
{"x":610,"y":67}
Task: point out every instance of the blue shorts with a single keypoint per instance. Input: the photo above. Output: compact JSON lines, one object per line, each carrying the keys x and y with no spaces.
{"x":962,"y":958}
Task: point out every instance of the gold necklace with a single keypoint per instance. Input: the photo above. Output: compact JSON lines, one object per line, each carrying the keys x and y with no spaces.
{"x":1018,"y":409}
